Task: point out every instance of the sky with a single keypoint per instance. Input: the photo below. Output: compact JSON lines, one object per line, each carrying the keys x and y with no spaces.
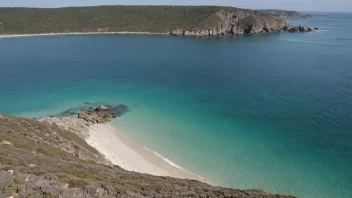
{"x":299,"y":5}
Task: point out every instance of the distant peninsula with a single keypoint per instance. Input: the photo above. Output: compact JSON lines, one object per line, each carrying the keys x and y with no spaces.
{"x":174,"y":20}
{"x":286,"y":13}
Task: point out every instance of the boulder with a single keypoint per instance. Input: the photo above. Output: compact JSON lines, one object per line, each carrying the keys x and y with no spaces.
{"x":10,"y":172}
{"x":303,"y":28}
{"x":233,"y":29}
{"x":204,"y":33}
{"x":187,"y":33}
{"x":239,"y":31}
{"x":101,"y":108}
{"x":294,"y":29}
{"x":255,"y":30}
{"x":177,"y":32}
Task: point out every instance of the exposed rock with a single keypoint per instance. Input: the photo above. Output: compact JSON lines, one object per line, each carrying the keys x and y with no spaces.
{"x":243,"y":22}
{"x":65,"y":186}
{"x":233,"y":30}
{"x":10,"y":172}
{"x":102,"y":114}
{"x":300,"y":29}
{"x":101,"y":108}
{"x":178,"y":32}
{"x":4,"y":142}
{"x":294,"y":29}
{"x":303,"y":28}
{"x":187,"y":33}
{"x":255,"y":30}
{"x":239,"y":31}
{"x":1,"y":117}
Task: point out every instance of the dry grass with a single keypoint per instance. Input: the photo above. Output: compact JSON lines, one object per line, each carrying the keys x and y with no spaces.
{"x":58,"y":172}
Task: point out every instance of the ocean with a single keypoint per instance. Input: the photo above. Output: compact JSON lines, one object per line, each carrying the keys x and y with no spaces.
{"x":272,"y":112}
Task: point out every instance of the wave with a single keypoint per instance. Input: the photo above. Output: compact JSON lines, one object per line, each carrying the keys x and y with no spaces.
{"x":159,"y":155}
{"x":320,"y":30}
{"x":170,"y":162}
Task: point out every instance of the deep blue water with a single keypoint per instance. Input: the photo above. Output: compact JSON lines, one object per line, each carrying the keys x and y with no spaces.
{"x":272,"y":111}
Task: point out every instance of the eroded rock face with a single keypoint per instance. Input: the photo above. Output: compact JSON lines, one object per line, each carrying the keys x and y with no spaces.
{"x":241,"y":22}
{"x":177,"y":32}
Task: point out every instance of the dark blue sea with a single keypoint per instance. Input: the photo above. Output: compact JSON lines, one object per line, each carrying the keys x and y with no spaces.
{"x":272,"y":112}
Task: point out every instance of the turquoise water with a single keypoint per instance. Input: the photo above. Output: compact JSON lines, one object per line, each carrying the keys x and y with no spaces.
{"x":272,"y":112}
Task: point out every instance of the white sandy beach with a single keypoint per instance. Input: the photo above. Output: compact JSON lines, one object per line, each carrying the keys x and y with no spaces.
{"x":74,"y":33}
{"x":120,"y":150}
{"x":130,"y":156}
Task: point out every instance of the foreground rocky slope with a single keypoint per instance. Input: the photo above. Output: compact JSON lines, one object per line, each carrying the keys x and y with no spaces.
{"x":175,"y":20}
{"x":42,"y":159}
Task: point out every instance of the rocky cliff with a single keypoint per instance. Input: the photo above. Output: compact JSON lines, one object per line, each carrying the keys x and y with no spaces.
{"x":42,"y":159}
{"x":241,"y":21}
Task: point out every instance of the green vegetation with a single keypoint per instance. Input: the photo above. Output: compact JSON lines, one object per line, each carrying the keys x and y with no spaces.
{"x":286,"y":13}
{"x":155,"y":19}
{"x":38,"y":159}
{"x":159,"y":19}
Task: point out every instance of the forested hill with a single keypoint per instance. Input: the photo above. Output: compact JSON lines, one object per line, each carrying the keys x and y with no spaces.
{"x":184,"y":20}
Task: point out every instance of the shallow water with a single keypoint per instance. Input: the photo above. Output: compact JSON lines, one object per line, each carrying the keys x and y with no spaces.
{"x":270,"y":112}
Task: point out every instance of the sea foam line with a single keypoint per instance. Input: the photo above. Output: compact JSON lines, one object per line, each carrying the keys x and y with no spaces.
{"x":170,"y":162}
{"x":158,"y":155}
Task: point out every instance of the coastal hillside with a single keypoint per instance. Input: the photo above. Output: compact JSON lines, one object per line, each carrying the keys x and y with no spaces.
{"x":177,"y":20}
{"x":286,"y":13}
{"x":39,"y":159}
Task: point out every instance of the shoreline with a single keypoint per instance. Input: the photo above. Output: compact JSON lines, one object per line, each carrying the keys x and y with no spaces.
{"x":79,"y":33}
{"x":121,"y":151}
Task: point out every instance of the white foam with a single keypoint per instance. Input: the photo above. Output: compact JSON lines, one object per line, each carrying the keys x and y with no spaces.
{"x":159,"y":155}
{"x":170,"y":162}
{"x":320,"y":30}
{"x":164,"y":158}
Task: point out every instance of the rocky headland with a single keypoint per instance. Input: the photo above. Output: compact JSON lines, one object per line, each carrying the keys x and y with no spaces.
{"x":174,"y":20}
{"x":239,"y":22}
{"x":49,"y":158}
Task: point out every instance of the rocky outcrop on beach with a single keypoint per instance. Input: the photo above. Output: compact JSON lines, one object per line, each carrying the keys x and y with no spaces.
{"x":44,"y":159}
{"x":240,"y":22}
{"x":102,"y":114}
{"x":79,"y":123}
